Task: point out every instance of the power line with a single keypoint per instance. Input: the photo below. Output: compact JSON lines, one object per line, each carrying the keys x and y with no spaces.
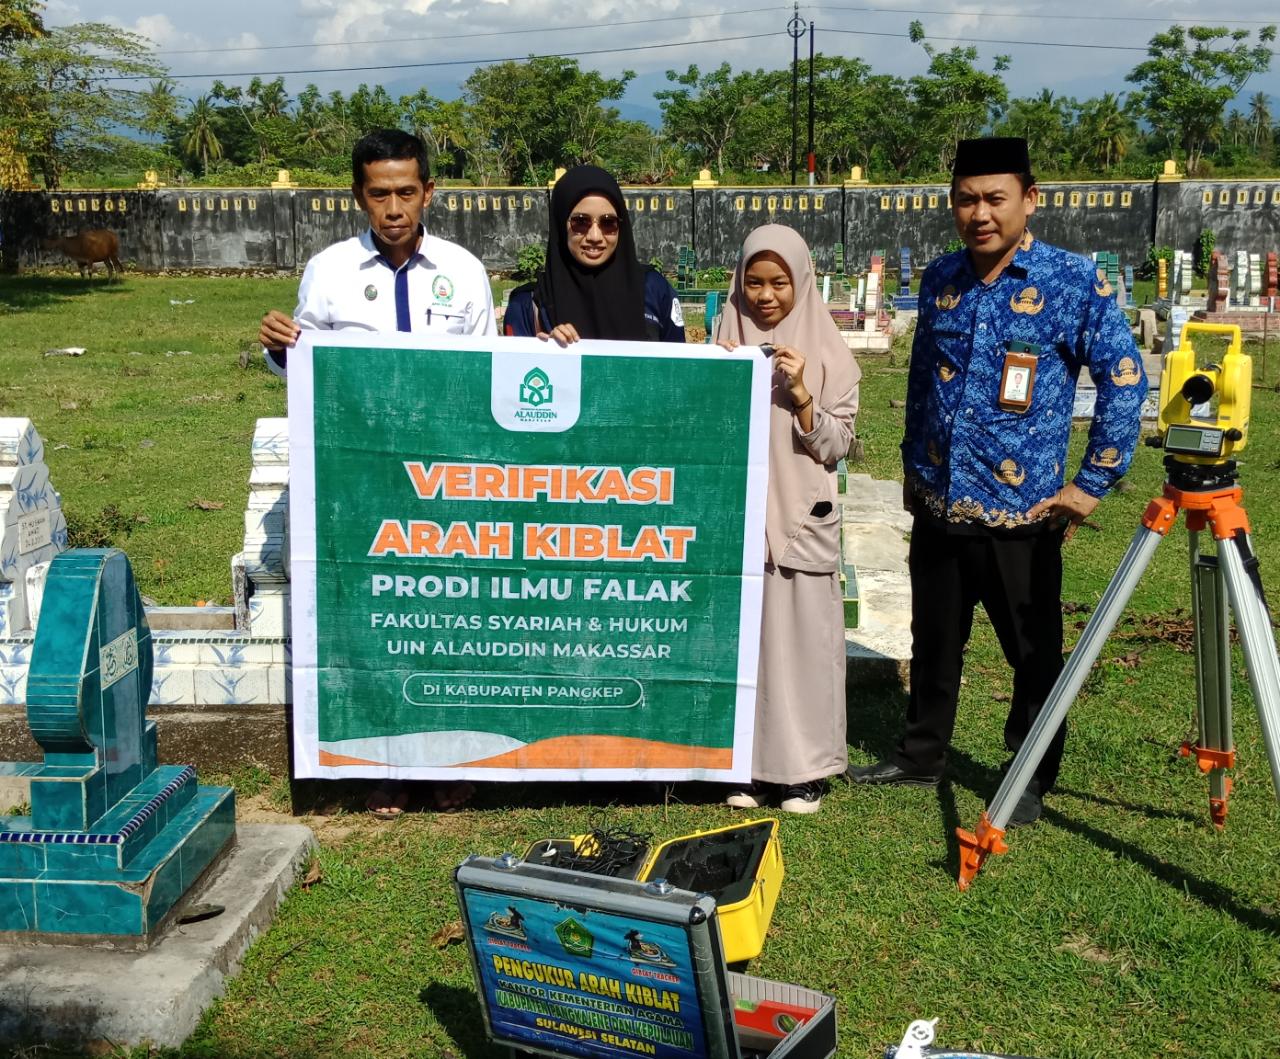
{"x":454,"y":36}
{"x":1038,"y":17}
{"x":985,"y":40}
{"x":444,"y":62}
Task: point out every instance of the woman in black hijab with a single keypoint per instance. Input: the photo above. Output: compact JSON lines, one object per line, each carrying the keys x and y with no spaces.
{"x":593,"y":285}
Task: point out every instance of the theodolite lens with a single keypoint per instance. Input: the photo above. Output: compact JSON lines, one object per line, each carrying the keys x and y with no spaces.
{"x":1197,"y":389}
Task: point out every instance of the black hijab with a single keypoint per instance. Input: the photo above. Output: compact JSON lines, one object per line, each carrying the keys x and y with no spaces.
{"x":603,"y":302}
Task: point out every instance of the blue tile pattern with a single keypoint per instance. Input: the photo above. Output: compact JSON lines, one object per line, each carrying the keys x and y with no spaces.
{"x":114,"y":841}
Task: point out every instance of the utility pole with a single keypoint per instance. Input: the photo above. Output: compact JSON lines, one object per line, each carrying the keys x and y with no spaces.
{"x":812,"y":175}
{"x":795,"y":28}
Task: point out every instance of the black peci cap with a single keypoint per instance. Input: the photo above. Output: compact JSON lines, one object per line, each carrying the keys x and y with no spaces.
{"x":991,"y":154}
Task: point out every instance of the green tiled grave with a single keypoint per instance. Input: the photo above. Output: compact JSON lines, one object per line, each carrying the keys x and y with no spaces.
{"x":113,"y":842}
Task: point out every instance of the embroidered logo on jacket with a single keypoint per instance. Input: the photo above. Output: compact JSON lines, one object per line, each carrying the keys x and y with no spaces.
{"x":948,"y":299}
{"x":1010,"y":473}
{"x":1126,"y":373}
{"x":1029,"y":301}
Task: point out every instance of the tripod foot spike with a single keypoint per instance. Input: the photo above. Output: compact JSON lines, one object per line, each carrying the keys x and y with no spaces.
{"x":975,"y":846}
{"x":1218,"y":807}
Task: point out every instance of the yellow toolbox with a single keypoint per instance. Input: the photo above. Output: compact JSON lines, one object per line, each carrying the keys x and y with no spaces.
{"x":740,"y":866}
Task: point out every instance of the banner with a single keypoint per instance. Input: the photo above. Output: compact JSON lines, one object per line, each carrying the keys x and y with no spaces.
{"x":516,"y":561}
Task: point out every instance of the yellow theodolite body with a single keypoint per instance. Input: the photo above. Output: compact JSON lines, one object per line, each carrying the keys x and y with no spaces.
{"x":1232,"y":385}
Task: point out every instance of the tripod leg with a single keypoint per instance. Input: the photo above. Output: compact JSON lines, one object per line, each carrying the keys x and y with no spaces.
{"x":1254,"y":624}
{"x":1213,"y":751}
{"x":989,"y":834}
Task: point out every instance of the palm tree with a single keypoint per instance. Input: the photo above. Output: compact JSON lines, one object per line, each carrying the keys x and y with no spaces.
{"x":1259,"y":118}
{"x":1104,"y":131}
{"x":201,"y":141}
{"x":1236,"y":128}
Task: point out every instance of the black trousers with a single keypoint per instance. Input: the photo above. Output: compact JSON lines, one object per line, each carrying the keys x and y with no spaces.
{"x":1018,"y":581}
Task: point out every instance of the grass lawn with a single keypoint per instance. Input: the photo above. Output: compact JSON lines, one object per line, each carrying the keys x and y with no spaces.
{"x":1122,"y":925}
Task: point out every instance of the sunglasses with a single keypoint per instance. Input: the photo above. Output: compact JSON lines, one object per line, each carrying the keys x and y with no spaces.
{"x":581,"y":223}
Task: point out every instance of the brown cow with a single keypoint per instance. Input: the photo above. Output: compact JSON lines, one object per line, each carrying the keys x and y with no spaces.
{"x":89,"y":247}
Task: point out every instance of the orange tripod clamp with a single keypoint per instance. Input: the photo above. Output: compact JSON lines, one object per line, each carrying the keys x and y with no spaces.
{"x":976,"y":846}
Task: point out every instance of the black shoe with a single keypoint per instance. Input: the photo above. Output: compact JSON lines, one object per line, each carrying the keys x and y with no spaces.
{"x":884,"y":773}
{"x":1028,"y":810}
{"x":803,"y":797}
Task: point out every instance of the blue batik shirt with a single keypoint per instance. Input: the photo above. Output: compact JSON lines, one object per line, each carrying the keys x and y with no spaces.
{"x":968,"y":460}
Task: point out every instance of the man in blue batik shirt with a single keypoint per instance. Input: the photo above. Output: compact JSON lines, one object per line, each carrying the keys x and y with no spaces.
{"x":1005,"y":326}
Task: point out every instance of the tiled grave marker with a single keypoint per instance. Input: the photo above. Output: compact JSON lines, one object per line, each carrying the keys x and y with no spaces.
{"x":32,"y":527}
{"x":114,"y":841}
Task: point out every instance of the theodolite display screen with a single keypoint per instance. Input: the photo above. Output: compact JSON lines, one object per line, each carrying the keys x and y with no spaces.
{"x":1194,"y":441}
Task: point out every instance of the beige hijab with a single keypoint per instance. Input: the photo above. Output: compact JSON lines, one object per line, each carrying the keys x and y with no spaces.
{"x":802,"y":516}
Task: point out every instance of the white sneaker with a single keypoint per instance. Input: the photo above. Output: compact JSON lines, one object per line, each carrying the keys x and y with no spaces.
{"x":754,"y":796}
{"x":804,"y":797}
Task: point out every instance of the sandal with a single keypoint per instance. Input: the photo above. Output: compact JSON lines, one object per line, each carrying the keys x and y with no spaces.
{"x":450,"y":796}
{"x":387,"y":801}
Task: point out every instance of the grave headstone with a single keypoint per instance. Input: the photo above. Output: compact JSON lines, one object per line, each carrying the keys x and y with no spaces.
{"x":1178,"y":317}
{"x":1162,"y":279}
{"x":114,"y":841}
{"x":711,"y":313}
{"x":1240,"y":293}
{"x":33,"y":528}
{"x":1272,"y":289}
{"x":1255,"y":280}
{"x":1219,"y":283}
{"x":1187,"y":274}
{"x":266,"y":531}
{"x":904,"y":271}
{"x":872,"y":309}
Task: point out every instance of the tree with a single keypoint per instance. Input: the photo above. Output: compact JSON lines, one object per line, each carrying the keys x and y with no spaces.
{"x":529,"y":117}
{"x":1260,"y":120}
{"x":442,"y":125}
{"x":1103,"y":132}
{"x":19,"y":20}
{"x":159,"y":107}
{"x":954,"y":100}
{"x":263,"y":108}
{"x":1192,"y":73}
{"x":1044,"y":121}
{"x":56,"y":98}
{"x":703,"y":115}
{"x":201,"y":140}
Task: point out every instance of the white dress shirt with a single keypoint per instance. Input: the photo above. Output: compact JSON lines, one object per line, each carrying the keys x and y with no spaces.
{"x":442,"y":289}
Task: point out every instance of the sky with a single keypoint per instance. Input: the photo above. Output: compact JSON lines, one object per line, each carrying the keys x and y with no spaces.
{"x":613,"y":35}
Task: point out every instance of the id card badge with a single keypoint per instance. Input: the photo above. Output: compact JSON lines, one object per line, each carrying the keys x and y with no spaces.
{"x":1018,"y":380}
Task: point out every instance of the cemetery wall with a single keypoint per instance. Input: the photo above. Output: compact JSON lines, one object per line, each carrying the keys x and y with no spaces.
{"x":170,"y":228}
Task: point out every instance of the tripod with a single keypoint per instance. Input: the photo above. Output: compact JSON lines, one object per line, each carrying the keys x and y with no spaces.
{"x":1209,"y":496}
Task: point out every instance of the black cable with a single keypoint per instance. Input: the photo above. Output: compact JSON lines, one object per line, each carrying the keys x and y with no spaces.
{"x":442,"y":62}
{"x":451,"y":37}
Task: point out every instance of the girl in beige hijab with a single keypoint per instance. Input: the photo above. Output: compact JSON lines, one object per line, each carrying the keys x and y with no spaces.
{"x":800,"y":703}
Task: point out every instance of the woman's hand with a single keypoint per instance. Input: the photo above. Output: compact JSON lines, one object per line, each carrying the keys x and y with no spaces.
{"x":790,"y":362}
{"x":564,"y":334}
{"x":728,"y":344}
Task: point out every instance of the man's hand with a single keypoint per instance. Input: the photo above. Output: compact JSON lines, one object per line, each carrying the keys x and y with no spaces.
{"x":1070,"y":505}
{"x":278,"y":331}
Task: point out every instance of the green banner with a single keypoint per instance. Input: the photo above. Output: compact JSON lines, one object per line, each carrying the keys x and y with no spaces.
{"x":512,"y":560}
